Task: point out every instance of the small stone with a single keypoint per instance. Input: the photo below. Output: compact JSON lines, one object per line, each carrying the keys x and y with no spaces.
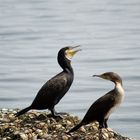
{"x":65,"y":137}
{"x":4,"y":110}
{"x":69,"y":123}
{"x":112,"y":139}
{"x":109,"y":129}
{"x":39,"y":131}
{"x":95,"y":138}
{"x":44,"y":135}
{"x":42,"y":124}
{"x":14,"y":112}
{"x":4,"y":138}
{"x":23,"y":136}
{"x":58,"y":126}
{"x":105,"y":135}
{"x":94,"y":128}
{"x":26,"y":131}
{"x":30,"y":136}
{"x":11,"y":117}
{"x":104,"y":130}
{"x":83,"y":129}
{"x":16,"y":132}
{"x":30,"y":130}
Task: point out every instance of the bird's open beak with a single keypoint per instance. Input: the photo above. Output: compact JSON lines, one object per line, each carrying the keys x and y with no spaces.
{"x":72,"y":51}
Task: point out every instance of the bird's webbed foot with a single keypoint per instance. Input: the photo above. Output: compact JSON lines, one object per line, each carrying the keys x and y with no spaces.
{"x":55,"y":114}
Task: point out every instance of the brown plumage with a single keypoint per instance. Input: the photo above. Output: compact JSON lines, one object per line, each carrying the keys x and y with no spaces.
{"x":101,"y":109}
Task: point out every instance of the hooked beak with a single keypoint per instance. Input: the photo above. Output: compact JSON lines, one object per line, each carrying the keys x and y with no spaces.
{"x":101,"y":76}
{"x":75,"y":49}
{"x":72,"y":51}
{"x":96,"y":75}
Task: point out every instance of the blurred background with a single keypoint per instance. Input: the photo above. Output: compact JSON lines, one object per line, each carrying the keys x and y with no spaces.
{"x":33,"y":31}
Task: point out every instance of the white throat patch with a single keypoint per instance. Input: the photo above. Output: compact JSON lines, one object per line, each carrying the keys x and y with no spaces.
{"x":119,"y":97}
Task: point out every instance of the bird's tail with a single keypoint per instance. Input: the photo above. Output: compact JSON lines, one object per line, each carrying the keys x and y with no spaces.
{"x":22,"y":111}
{"x":75,"y":128}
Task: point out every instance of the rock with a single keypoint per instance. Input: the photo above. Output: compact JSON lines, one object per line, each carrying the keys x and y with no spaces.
{"x":58,"y":126}
{"x":65,"y":137}
{"x":37,"y":125}
{"x":23,"y":136}
{"x":69,"y":123}
{"x":82,"y":129}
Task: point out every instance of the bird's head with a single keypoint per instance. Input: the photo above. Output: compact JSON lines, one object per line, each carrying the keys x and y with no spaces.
{"x":111,"y":76}
{"x":66,"y":54}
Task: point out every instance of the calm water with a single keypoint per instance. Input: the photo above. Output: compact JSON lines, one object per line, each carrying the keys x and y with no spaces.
{"x":32,"y":32}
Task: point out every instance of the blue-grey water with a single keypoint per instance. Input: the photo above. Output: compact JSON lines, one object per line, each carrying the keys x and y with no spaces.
{"x":32,"y":32}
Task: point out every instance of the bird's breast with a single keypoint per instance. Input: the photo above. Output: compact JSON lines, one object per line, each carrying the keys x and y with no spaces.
{"x":119,"y":93}
{"x":119,"y":96}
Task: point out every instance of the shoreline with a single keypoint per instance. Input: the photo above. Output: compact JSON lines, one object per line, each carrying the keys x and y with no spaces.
{"x":35,"y":125}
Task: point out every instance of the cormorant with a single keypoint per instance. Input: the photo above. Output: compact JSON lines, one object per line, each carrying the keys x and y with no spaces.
{"x":54,"y":89}
{"x":101,"y":109}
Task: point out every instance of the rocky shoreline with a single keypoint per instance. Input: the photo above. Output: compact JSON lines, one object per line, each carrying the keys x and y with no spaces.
{"x":41,"y":126}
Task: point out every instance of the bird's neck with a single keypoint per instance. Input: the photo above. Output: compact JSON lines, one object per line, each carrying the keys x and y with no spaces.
{"x":66,"y":66}
{"x":119,"y":90}
{"x":68,"y":69}
{"x":118,"y":85}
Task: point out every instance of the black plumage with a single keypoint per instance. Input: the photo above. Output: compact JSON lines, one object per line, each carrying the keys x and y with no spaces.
{"x":54,"y":89}
{"x":101,"y":109}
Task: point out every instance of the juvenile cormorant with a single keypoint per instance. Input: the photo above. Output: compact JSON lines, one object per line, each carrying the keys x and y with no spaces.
{"x":101,"y":109}
{"x":54,"y":89}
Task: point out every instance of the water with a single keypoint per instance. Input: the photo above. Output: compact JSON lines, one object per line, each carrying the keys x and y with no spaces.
{"x":32,"y":32}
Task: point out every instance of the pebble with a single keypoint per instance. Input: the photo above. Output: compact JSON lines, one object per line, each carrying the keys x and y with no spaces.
{"x":82,"y":129}
{"x":69,"y":123}
{"x":4,"y":110}
{"x":23,"y":136}
{"x":65,"y":138}
{"x":111,"y":139}
{"x":96,"y":138}
{"x":36,"y":125}
{"x":58,"y":126}
{"x":105,"y":135}
{"x":39,"y":131}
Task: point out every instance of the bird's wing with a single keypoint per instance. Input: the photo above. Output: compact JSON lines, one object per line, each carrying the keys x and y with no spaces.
{"x":51,"y":91}
{"x":55,"y":85}
{"x":100,"y":107}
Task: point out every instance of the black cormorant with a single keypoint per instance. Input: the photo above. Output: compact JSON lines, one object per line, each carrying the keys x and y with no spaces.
{"x":54,"y":89}
{"x":101,"y":109}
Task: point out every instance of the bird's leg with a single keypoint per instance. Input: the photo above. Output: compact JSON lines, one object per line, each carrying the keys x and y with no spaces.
{"x":55,"y":114}
{"x":105,"y":123}
{"x":101,"y":124}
